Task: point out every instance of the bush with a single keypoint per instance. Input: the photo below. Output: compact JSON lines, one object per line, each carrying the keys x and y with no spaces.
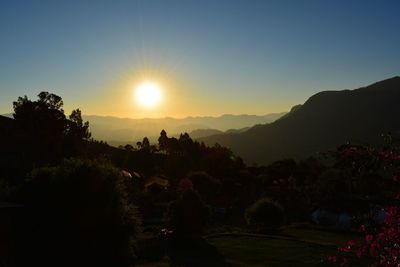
{"x":206,"y":185}
{"x":79,"y":212}
{"x":187,"y":216}
{"x":265,"y":213}
{"x":5,"y":190}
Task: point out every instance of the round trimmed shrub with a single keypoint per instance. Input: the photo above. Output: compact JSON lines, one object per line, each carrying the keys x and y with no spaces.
{"x":265,"y":213}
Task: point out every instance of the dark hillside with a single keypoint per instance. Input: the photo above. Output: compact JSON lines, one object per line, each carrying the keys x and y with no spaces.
{"x":324,"y":121}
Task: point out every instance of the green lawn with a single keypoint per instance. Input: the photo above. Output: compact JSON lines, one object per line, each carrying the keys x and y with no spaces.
{"x":243,"y":250}
{"x":293,"y":247}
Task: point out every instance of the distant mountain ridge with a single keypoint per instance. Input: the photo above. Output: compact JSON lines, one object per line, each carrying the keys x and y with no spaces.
{"x":325,"y":121}
{"x":119,"y":131}
{"x":113,"y":129}
{"x":201,"y":133}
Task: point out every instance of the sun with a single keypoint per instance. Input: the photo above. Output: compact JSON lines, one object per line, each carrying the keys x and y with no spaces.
{"x":148,"y":94}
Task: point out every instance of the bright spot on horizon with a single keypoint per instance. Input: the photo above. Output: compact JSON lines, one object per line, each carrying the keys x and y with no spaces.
{"x":148,"y":94}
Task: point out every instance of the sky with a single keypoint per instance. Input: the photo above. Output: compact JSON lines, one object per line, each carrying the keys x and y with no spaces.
{"x":209,"y":57}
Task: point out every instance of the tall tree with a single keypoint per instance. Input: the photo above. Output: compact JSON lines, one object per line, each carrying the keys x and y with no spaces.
{"x":48,"y":134}
{"x":163,"y":141}
{"x":144,"y":145}
{"x":43,"y":124}
{"x":77,"y":127}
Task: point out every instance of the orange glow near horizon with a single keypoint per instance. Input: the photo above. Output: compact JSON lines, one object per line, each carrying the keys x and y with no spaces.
{"x":171,"y":95}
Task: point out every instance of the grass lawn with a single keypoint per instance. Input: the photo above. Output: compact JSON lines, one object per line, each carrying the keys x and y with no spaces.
{"x":293,"y":247}
{"x":243,"y":250}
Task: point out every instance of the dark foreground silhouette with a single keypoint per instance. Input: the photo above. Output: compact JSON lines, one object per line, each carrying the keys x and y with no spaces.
{"x":193,"y":252}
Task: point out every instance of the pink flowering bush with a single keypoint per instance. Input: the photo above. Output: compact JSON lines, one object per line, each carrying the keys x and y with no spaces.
{"x":380,"y":248}
{"x":380,"y":245}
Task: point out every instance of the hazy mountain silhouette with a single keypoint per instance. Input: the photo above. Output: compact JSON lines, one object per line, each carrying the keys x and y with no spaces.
{"x":325,"y":121}
{"x":118,"y":130}
{"x":200,"y":133}
{"x":241,"y":130}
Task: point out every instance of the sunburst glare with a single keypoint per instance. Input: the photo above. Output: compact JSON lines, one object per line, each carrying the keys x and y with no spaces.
{"x":148,"y":94}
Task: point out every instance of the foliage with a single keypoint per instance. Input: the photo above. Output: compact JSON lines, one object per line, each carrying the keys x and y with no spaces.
{"x":80,"y":210}
{"x":265,"y":213}
{"x":47,"y":135}
{"x":76,"y":128}
{"x":5,"y":189}
{"x":187,"y":215}
{"x":205,"y":184}
{"x":381,"y":242}
{"x":78,"y":195}
{"x":163,"y":141}
{"x":380,"y":246}
{"x":183,"y":155}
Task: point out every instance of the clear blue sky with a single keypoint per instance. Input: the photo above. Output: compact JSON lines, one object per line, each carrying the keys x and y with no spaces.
{"x":214,"y":57}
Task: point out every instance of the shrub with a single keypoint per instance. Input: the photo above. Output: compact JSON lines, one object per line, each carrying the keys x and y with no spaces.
{"x":79,"y":213}
{"x":187,"y":216}
{"x":265,"y":213}
{"x":380,"y":245}
{"x":5,"y":189}
{"x":206,"y":185}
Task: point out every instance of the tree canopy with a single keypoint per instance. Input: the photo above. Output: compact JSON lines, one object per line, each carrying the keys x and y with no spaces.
{"x":48,"y":135}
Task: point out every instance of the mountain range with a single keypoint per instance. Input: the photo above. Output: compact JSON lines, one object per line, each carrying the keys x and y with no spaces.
{"x":326,"y":120}
{"x":121,"y":131}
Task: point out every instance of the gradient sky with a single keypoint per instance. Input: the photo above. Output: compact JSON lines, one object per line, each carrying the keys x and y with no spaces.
{"x":211,"y":57}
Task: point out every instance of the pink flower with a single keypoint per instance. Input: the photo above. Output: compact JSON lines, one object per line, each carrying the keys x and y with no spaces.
{"x":381,"y":243}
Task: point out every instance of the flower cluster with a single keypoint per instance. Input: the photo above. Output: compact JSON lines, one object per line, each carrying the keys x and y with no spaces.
{"x":382,"y":248}
{"x":380,"y":245}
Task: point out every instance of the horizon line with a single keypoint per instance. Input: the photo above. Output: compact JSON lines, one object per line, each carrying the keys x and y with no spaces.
{"x":170,"y":117}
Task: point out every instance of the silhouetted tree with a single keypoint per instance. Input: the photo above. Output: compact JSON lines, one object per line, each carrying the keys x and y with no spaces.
{"x":44,"y":125}
{"x":77,"y":132}
{"x":128,"y":147}
{"x":163,"y":141}
{"x":144,"y":145}
{"x":48,"y":135}
{"x":51,"y":100}
{"x":173,"y":146}
{"x":76,"y":126}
